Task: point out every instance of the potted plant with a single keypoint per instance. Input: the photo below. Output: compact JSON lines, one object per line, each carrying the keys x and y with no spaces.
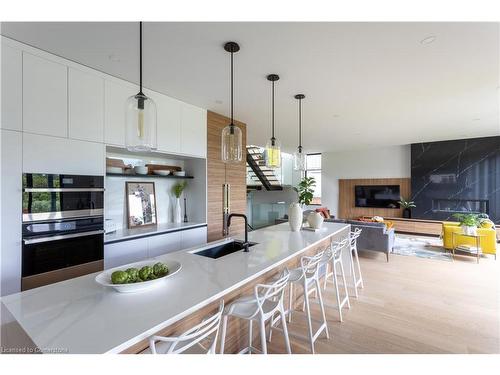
{"x":305,"y":191}
{"x":468,"y":222}
{"x":177,"y":190}
{"x":406,"y":206}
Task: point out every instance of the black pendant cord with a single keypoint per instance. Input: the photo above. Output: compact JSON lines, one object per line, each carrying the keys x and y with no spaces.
{"x":272,"y":120}
{"x":140,"y":57}
{"x":232,"y":83}
{"x":300,"y":125}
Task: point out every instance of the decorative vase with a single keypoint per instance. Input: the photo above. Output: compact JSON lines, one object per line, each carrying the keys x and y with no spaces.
{"x":469,"y":230}
{"x":407,"y":213}
{"x":177,"y":211}
{"x":295,"y":217}
{"x":315,"y":220}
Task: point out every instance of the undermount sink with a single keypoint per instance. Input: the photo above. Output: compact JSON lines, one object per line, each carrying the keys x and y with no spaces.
{"x":223,"y":249}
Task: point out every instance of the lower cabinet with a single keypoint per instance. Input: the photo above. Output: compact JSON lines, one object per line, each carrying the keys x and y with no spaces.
{"x":120,"y":253}
{"x":124,"y":252}
{"x":163,"y":244}
{"x":194,"y":237}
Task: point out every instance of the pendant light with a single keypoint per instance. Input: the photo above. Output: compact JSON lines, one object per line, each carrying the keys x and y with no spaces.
{"x":140,"y":115}
{"x":273,"y":150}
{"x":299,"y":158}
{"x":232,"y":148}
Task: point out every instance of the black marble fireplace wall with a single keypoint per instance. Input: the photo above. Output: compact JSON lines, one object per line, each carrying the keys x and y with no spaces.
{"x":456,"y":176}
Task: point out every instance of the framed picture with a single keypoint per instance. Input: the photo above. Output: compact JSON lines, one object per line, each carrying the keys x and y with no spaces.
{"x":141,"y":204}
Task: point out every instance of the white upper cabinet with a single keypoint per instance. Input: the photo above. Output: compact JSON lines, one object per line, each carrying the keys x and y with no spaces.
{"x":116,"y":94}
{"x":168,"y":113}
{"x":86,"y":106}
{"x":12,"y":88}
{"x":42,"y":154}
{"x":193,"y":130}
{"x":45,"y":96}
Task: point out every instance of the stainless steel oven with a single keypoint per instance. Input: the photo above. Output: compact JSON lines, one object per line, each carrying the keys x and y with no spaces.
{"x":63,"y":228}
{"x":61,"y":196}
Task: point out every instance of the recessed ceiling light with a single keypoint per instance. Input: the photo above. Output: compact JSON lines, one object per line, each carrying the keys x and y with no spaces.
{"x":430,"y":39}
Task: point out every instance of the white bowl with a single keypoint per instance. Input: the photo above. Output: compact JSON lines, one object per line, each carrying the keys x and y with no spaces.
{"x":104,"y":278}
{"x":141,"y":170}
{"x":162,"y":172}
{"x":179,"y":173}
{"x":114,"y":170}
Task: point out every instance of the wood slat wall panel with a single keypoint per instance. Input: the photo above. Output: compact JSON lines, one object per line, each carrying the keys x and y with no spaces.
{"x":347,"y":210}
{"x":219,"y":172}
{"x":237,"y":330}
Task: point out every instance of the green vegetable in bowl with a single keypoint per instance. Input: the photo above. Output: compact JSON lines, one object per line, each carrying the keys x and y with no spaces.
{"x":160,"y":269}
{"x":119,"y":277}
{"x":144,"y":272}
{"x":133,"y":275}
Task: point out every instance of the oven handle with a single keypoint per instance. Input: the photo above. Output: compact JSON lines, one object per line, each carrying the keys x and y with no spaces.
{"x":30,"y":241}
{"x":60,"y":190}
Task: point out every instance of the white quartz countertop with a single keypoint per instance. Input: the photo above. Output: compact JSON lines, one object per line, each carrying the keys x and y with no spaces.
{"x":129,"y":234}
{"x":80,"y":316}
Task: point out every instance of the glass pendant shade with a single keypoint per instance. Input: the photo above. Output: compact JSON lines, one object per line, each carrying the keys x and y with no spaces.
{"x":232,"y":150}
{"x":273,"y":154}
{"x":299,"y":160}
{"x":140,"y":114}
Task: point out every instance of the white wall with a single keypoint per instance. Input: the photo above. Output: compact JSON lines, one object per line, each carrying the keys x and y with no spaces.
{"x":381,"y":162}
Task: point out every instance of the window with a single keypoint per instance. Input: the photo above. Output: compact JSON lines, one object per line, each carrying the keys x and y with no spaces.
{"x":313,"y":169}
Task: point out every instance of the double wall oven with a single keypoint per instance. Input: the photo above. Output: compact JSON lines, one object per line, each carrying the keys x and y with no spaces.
{"x":63,"y":227}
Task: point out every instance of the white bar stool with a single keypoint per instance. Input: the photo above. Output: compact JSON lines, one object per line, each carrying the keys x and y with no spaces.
{"x":333,"y":257}
{"x":262,"y":306}
{"x":307,"y":277}
{"x":191,"y":341}
{"x":357,"y":280}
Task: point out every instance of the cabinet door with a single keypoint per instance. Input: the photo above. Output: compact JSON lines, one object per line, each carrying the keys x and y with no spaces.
{"x":12,"y":88}
{"x":45,"y":96}
{"x":86,"y":106}
{"x":168,"y":113}
{"x":194,"y":237}
{"x":125,"y":252}
{"x":10,"y":209}
{"x":164,"y":243}
{"x":115,"y":96}
{"x":42,"y":154}
{"x":193,"y":130}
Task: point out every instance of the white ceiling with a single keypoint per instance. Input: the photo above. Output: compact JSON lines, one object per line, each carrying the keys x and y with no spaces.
{"x":366,"y":84}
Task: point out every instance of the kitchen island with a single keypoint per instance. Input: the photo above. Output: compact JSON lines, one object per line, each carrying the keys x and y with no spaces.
{"x":80,"y":316}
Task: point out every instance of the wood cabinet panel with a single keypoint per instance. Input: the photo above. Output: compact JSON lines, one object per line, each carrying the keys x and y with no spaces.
{"x":347,"y":209}
{"x":219,"y":172}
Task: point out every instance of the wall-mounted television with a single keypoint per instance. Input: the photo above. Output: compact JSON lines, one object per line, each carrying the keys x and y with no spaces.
{"x":377,"y":196}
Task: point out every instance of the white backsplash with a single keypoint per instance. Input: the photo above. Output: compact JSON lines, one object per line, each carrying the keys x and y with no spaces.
{"x":115,"y":205}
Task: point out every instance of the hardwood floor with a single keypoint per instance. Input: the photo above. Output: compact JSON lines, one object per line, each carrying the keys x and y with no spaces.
{"x":412,"y":305}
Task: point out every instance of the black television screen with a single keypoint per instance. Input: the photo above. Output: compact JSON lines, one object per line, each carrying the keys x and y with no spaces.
{"x":380,"y":196}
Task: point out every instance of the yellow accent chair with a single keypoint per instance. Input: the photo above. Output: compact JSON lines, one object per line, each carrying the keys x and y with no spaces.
{"x":487,"y":230}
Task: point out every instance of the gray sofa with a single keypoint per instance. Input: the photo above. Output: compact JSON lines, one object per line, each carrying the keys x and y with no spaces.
{"x":374,"y":236}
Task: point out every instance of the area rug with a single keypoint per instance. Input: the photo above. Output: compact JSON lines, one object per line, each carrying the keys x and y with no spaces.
{"x":422,"y":247}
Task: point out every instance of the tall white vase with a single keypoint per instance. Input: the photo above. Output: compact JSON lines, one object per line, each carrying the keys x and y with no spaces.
{"x":177,"y":211}
{"x":295,"y":217}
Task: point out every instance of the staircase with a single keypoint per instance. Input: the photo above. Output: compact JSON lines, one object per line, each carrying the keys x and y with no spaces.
{"x":258,"y":175}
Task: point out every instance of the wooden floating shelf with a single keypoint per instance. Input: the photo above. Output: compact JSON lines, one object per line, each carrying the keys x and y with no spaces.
{"x":146,"y":175}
